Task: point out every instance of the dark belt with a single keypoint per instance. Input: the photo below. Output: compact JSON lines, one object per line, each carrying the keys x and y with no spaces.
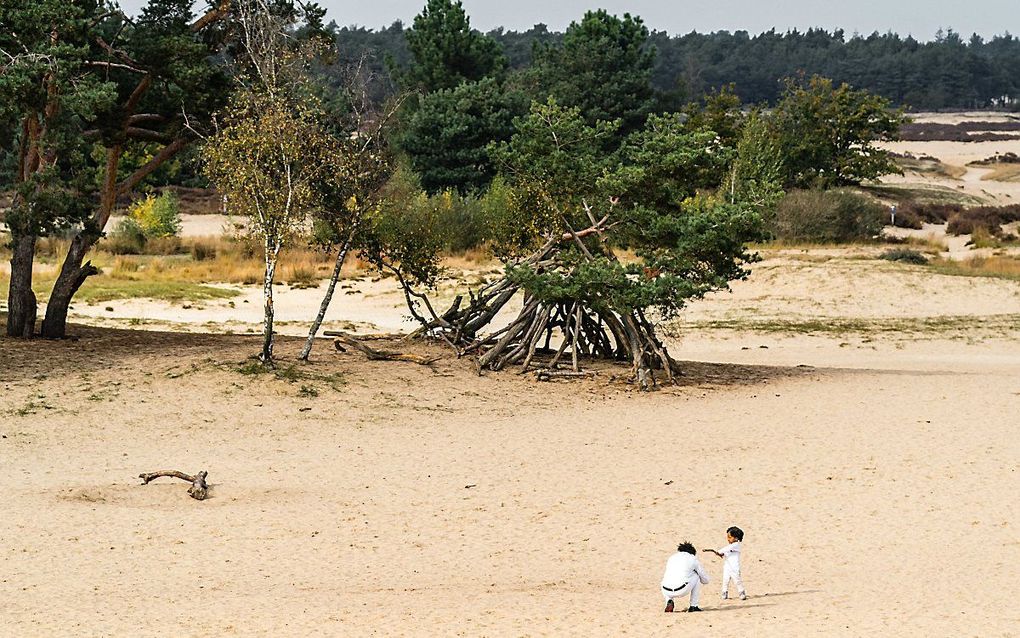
{"x":677,"y":589}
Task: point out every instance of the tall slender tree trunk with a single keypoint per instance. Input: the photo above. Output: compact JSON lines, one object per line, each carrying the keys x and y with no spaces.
{"x":272,"y":256}
{"x":72,"y":275}
{"x":21,"y":302}
{"x":324,"y":306}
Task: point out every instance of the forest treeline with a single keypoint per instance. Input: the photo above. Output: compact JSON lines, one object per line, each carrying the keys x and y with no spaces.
{"x":948,"y":72}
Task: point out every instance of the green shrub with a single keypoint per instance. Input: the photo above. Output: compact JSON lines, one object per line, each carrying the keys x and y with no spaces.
{"x":905,"y":255}
{"x":461,"y":220}
{"x":403,"y":232}
{"x":157,"y":216}
{"x":827,"y":216}
{"x":127,"y":238}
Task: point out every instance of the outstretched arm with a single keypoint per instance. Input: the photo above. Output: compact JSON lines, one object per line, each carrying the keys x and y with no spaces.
{"x":700,"y":571}
{"x":713,"y":552}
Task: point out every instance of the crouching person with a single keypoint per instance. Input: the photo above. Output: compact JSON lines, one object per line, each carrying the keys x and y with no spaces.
{"x":684,"y":577}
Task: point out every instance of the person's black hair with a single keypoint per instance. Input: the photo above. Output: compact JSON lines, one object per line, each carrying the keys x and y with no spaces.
{"x":687,"y":547}
{"x":736,"y":533}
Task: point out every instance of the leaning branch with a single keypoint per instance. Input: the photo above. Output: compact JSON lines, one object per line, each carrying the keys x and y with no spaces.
{"x":165,"y":154}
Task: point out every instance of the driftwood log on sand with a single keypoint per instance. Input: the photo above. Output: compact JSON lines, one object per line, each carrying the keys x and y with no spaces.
{"x":199,"y":490}
{"x":342,"y":339}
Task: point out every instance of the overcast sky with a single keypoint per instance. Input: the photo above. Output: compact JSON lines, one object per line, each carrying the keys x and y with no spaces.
{"x":920,"y":18}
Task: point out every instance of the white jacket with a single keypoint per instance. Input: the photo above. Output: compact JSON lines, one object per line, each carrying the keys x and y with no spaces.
{"x":680,"y":567}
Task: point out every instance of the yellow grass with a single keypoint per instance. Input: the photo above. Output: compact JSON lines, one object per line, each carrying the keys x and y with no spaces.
{"x":928,"y":243}
{"x":1003,"y":173}
{"x":1001,"y":267}
{"x":180,"y":275}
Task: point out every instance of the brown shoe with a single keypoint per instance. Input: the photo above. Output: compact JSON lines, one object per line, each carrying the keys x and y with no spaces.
{"x":669,"y":605}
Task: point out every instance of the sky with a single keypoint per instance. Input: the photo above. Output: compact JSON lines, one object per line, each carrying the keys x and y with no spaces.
{"x":920,"y":18}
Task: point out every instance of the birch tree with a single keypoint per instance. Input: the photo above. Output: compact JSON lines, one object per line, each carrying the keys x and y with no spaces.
{"x":270,"y":158}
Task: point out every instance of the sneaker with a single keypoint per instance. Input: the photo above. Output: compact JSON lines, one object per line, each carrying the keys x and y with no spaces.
{"x":743,"y":595}
{"x":693,"y":609}
{"x":669,"y":605}
{"x":725,"y":595}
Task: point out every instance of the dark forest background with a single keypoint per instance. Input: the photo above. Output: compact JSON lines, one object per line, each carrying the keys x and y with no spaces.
{"x":949,"y":72}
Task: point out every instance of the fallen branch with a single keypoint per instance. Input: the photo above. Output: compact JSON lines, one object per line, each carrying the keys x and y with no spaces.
{"x":549,"y":375}
{"x":199,"y":490}
{"x":341,"y":340}
{"x":379,"y":336}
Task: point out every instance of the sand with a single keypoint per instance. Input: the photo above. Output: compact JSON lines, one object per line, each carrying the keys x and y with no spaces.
{"x":197,"y":225}
{"x":960,"y":154}
{"x":875,"y":485}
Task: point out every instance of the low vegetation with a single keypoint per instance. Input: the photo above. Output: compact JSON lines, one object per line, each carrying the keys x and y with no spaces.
{"x":309,"y":382}
{"x":827,"y":216}
{"x":983,"y":218}
{"x":921,"y":194}
{"x":111,"y":288}
{"x":1003,"y":173}
{"x":997,"y":266}
{"x":905,"y":255}
{"x":961,"y":132}
{"x":178,"y":270}
{"x":965,"y":325}
{"x":929,"y":166}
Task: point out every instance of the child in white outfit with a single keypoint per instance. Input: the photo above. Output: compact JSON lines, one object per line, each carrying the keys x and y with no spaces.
{"x":731,"y":562}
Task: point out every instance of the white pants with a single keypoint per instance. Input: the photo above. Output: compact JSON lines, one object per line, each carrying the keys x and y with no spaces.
{"x":692,"y":587}
{"x":727,"y":574}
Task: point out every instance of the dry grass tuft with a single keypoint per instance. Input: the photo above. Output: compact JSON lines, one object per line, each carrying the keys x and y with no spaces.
{"x":303,"y":276}
{"x":928,"y":243}
{"x":998,"y":266}
{"x":1003,"y":173}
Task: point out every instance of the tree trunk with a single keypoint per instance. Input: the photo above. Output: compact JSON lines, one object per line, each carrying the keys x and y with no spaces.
{"x":21,"y":302}
{"x":72,"y":275}
{"x":272,"y":255}
{"x":327,"y":298}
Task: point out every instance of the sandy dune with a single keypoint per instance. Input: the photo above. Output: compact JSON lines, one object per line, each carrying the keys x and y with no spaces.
{"x":865,"y":481}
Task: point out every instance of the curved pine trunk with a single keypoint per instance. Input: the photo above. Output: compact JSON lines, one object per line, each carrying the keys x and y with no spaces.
{"x":72,"y":275}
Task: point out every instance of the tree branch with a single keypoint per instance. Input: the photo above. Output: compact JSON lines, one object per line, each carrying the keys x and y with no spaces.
{"x":114,"y":65}
{"x":213,"y":15}
{"x":120,"y":55}
{"x":146,"y":135}
{"x":142,"y":118}
{"x":136,"y":95}
{"x":165,"y":154}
